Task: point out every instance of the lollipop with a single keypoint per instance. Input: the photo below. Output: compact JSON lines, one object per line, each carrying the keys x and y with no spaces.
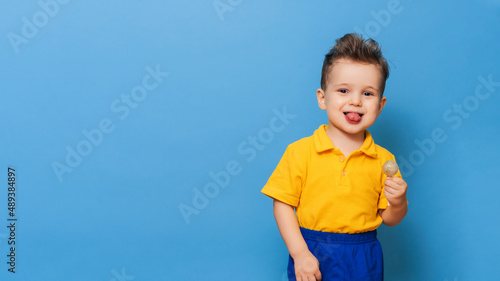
{"x":390,"y":168}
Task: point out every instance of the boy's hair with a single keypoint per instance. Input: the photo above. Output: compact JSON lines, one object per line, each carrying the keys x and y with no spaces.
{"x":353,"y":47}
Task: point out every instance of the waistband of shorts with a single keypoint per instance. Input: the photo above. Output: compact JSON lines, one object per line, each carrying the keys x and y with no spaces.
{"x":338,"y":238}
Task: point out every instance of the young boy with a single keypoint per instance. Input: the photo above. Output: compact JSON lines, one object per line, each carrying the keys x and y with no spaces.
{"x":334,"y":180}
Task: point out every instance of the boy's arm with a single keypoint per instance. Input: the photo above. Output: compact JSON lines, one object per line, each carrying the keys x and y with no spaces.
{"x":395,"y":191}
{"x":306,"y":264}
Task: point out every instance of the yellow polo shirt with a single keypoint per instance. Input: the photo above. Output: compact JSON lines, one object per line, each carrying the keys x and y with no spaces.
{"x":332,"y":192}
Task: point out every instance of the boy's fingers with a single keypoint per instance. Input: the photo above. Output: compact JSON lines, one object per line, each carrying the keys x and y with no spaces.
{"x":397,"y":181}
{"x":393,"y":185}
{"x":305,"y":277}
{"x":318,"y":275}
{"x":390,"y":189}
{"x":394,"y":191}
{"x":392,"y":194}
{"x":389,"y":182}
{"x":388,"y":194}
{"x":392,"y":180}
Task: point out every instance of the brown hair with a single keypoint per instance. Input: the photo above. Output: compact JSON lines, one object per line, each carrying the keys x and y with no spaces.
{"x":352,"y":46}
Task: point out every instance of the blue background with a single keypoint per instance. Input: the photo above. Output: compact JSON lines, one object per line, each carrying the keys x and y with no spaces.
{"x":116,"y":215}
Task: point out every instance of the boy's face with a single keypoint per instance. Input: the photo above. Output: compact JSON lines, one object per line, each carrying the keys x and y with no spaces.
{"x":351,"y":98}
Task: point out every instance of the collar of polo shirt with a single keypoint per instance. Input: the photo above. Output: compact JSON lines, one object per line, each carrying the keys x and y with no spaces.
{"x":323,"y":143}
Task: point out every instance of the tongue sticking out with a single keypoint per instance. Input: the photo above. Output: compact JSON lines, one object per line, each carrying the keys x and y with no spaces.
{"x":352,"y":117}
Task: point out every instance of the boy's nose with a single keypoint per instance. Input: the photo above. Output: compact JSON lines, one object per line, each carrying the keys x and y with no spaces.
{"x":355,"y":100}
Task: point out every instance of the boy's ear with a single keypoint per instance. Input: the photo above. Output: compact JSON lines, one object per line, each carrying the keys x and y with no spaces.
{"x":381,"y":104}
{"x":320,"y":94}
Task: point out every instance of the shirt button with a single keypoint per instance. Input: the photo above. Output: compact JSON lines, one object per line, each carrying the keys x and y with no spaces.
{"x":343,"y":173}
{"x":342,"y":158}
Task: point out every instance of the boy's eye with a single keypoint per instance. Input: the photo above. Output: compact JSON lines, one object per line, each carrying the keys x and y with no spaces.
{"x":368,"y":94}
{"x":343,"y":91}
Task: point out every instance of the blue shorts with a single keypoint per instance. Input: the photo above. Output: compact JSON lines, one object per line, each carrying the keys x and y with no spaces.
{"x":341,"y":256}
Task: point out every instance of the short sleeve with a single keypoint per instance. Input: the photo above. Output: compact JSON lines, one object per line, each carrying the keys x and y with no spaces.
{"x":383,"y":203}
{"x":285,"y":183}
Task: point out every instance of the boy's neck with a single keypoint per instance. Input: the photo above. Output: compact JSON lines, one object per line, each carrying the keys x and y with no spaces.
{"x":347,"y":143}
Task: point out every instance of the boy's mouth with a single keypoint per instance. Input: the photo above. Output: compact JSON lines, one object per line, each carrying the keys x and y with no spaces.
{"x":353,"y":117}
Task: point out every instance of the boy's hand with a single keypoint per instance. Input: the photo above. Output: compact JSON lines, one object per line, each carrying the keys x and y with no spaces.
{"x":395,"y":191}
{"x":306,"y":267}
